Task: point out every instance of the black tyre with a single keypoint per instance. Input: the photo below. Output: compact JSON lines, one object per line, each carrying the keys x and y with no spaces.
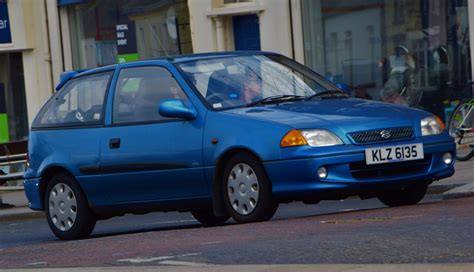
{"x":464,"y":149}
{"x":208,"y":219}
{"x":247,"y":191}
{"x":406,"y":196}
{"x":67,"y":210}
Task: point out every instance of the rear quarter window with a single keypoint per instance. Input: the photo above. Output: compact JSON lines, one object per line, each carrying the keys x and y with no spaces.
{"x":79,"y":103}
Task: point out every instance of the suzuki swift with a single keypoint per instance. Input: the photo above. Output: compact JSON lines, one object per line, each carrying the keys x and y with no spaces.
{"x":220,"y":135}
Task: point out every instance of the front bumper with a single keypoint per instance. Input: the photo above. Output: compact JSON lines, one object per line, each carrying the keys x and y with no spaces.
{"x":296,"y":179}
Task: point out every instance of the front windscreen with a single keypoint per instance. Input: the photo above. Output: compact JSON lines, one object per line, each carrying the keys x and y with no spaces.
{"x":239,"y":81}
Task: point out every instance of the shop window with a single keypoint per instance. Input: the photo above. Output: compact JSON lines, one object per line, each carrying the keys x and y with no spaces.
{"x":415,"y":53}
{"x":105,"y":32}
{"x":398,"y":11}
{"x":13,"y":110}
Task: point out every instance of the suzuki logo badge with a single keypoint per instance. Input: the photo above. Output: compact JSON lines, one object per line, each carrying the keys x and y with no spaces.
{"x":385,"y":134}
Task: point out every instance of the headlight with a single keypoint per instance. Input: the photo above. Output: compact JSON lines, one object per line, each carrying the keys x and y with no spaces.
{"x":311,"y":137}
{"x":431,"y":126}
{"x":320,"y":137}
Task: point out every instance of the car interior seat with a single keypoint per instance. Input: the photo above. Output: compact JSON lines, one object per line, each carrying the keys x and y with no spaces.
{"x":150,"y":92}
{"x":224,"y":89}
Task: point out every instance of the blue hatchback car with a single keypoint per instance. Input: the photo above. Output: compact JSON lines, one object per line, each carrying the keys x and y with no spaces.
{"x":220,"y":135}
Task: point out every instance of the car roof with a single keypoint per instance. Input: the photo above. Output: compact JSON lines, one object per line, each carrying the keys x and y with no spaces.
{"x":201,"y":56}
{"x":66,"y":76}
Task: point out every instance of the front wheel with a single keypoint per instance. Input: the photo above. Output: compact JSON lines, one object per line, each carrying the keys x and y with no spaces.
{"x":407,"y":196}
{"x":67,"y":211}
{"x":247,"y":191}
{"x":460,"y":126}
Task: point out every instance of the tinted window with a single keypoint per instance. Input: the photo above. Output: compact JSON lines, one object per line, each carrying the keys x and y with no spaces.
{"x":79,"y":102}
{"x":139,"y":92}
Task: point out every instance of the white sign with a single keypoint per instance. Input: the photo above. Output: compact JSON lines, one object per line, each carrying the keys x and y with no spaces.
{"x":3,"y":24}
{"x":122,"y":27}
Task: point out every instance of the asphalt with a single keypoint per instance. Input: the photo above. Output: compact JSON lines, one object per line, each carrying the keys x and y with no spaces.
{"x":185,"y":267}
{"x":14,"y":204}
{"x":333,"y":232}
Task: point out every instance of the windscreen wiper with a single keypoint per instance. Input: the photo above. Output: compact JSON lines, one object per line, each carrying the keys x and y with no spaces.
{"x":276,"y":99}
{"x":328,"y":94}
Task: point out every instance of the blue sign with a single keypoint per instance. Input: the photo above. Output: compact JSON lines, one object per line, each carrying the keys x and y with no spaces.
{"x":5,"y":34}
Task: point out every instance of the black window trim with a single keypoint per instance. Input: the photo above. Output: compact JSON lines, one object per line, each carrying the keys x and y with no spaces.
{"x":141,"y":123}
{"x":62,"y":126}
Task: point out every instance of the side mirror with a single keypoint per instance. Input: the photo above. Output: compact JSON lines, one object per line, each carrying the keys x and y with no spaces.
{"x":176,"y":108}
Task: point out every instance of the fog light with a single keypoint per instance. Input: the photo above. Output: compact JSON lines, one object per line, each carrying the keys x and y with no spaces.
{"x":447,"y":158}
{"x":322,"y":172}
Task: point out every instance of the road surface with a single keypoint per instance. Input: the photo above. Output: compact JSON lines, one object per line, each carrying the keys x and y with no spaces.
{"x":332,"y":232}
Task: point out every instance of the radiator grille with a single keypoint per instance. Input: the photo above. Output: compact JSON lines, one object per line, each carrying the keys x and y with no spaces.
{"x":382,"y":135}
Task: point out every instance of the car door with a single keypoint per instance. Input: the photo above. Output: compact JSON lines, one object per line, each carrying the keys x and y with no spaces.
{"x":145,"y":156}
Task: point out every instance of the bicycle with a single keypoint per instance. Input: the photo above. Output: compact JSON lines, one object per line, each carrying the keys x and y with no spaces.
{"x":461,"y":128}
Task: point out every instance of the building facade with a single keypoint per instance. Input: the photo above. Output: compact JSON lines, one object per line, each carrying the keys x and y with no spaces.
{"x":26,"y":78}
{"x":226,"y":25}
{"x":411,"y":52}
{"x":39,"y":39}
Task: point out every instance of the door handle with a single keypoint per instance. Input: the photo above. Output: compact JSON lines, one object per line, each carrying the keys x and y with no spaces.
{"x":114,"y":143}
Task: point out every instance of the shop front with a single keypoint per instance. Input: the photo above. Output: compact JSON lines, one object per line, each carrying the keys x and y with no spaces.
{"x":13,"y":113}
{"x":409,"y":52}
{"x":104,"y":32}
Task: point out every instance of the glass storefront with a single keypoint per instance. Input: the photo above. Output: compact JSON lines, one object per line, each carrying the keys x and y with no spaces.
{"x":109,"y":31}
{"x":13,"y":113}
{"x":410,"y":52}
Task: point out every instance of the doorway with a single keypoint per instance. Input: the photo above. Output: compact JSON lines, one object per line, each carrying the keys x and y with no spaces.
{"x":246,"y":32}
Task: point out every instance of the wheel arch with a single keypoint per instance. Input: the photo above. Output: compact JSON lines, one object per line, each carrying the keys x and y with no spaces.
{"x":46,"y":176}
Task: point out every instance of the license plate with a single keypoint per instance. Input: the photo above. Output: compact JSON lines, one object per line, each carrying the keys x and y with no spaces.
{"x":397,"y":153}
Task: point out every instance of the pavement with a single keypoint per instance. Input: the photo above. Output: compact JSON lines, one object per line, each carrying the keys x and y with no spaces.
{"x":13,"y":202}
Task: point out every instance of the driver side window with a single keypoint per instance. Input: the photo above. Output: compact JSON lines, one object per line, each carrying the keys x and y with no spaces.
{"x":80,"y":102}
{"x":139,"y":92}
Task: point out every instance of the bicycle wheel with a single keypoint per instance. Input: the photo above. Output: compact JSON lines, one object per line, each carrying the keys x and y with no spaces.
{"x":461,"y":128}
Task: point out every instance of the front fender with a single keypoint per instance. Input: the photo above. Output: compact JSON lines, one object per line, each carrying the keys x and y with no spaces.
{"x":224,"y":132}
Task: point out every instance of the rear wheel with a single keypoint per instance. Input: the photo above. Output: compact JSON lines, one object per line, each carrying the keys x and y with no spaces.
{"x":67,"y":211}
{"x":407,"y":196}
{"x":247,"y":191}
{"x":461,"y":124}
{"x":208,"y":219}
